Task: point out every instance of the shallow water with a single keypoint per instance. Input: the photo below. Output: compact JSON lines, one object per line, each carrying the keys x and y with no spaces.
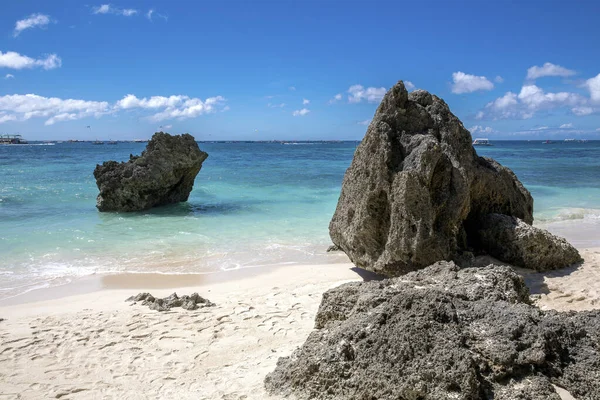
{"x":253,"y":204}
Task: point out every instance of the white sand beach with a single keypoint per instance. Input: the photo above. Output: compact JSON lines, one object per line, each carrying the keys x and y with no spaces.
{"x":95,"y":345}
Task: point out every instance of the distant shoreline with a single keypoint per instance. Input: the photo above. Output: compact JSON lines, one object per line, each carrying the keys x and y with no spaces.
{"x":39,"y":141}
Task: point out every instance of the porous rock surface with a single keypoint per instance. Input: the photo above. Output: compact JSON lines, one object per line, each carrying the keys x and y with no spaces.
{"x":442,"y":333}
{"x":190,"y":302}
{"x":163,"y":174}
{"x":416,"y":188}
{"x":512,"y":240}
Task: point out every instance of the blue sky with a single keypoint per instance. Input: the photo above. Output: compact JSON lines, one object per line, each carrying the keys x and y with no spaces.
{"x":294,"y":69}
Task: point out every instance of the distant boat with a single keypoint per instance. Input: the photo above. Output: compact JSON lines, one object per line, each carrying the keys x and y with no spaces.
{"x":12,"y":139}
{"x":113,"y":142}
{"x":97,"y":142}
{"x":548,"y":142}
{"x":481,"y":142}
{"x":569,"y":140}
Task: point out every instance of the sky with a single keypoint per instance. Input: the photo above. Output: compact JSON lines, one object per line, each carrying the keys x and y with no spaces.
{"x":294,"y":70}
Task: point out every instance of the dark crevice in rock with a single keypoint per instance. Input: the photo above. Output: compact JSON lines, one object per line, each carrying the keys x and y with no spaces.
{"x":378,"y":208}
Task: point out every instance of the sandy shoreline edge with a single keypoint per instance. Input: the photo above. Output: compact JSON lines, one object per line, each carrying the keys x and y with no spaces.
{"x":87,"y":342}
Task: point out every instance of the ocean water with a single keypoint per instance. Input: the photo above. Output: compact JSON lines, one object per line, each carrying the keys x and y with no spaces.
{"x":253,"y":204}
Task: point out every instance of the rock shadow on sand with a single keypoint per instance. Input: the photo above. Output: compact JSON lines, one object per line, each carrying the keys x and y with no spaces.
{"x":536,"y":280}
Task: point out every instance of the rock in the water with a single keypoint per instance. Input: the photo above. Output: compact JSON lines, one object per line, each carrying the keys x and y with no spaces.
{"x":333,"y":248}
{"x":442,"y":333}
{"x":186,"y":302}
{"x":512,"y":240}
{"x":163,"y":174}
{"x":416,"y":189}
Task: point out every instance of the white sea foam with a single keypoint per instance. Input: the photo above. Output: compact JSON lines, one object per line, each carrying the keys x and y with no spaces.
{"x":566,"y":214}
{"x":54,"y":268}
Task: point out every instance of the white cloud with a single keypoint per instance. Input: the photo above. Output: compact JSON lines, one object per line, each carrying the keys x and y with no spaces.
{"x":301,"y":113}
{"x":336,"y":98}
{"x":593,"y":85}
{"x":34,"y":20}
{"x":532,"y":99}
{"x":502,"y":107}
{"x":498,"y":79}
{"x":24,"y":107}
{"x":466,"y":83}
{"x":566,"y":126}
{"x":598,"y":130}
{"x":109,"y":9}
{"x":165,"y":126}
{"x":371,"y":94}
{"x":582,"y":111}
{"x":7,"y":117}
{"x":103,"y":9}
{"x":280,"y":105}
{"x":481,"y":129}
{"x":536,"y":99}
{"x":174,"y":107}
{"x":9,"y":76}
{"x":548,"y":69}
{"x":365,"y":122}
{"x":305,"y":102}
{"x":409,"y":85}
{"x":545,"y":131}
{"x":131,"y":101}
{"x":152,"y":12}
{"x":292,"y":88}
{"x":14,"y":60}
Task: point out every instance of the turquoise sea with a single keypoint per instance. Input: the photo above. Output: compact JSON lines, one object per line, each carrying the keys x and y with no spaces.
{"x":253,"y":204}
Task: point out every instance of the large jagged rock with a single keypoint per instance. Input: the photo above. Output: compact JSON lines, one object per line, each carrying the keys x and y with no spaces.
{"x":163,"y":174}
{"x":512,"y":240}
{"x":416,"y":189}
{"x":442,"y":333}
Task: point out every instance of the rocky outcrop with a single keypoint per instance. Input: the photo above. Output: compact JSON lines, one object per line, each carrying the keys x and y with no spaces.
{"x":442,"y":333}
{"x":186,"y":302}
{"x":163,"y":174}
{"x":512,"y":240}
{"x":416,"y":190}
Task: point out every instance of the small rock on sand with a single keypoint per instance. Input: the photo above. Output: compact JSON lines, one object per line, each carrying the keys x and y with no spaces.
{"x":186,"y":302}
